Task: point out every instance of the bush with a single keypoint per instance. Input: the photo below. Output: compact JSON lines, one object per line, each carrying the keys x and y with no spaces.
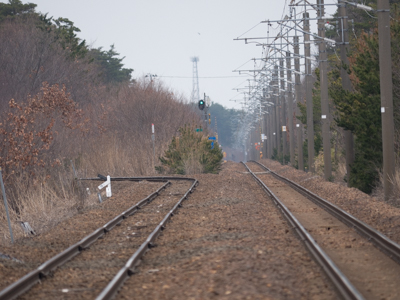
{"x":191,"y":153}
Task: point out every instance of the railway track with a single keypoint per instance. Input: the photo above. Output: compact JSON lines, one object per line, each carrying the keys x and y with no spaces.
{"x":357,"y":268}
{"x":134,"y":228}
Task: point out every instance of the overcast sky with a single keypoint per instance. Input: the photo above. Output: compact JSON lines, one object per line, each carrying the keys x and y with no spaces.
{"x":160,"y":37}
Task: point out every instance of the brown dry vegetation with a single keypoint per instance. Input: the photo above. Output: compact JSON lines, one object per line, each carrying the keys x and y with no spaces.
{"x":55,"y":112}
{"x":39,"y":177}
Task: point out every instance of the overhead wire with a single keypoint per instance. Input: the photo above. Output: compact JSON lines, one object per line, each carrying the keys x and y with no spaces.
{"x":249,"y":29}
{"x":242,"y":64}
{"x":202,"y":77}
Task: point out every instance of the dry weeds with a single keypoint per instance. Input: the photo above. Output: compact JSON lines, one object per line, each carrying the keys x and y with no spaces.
{"x":118,"y":143}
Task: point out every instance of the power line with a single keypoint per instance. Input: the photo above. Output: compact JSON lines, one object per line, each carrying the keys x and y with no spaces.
{"x":249,"y":30}
{"x":206,"y":77}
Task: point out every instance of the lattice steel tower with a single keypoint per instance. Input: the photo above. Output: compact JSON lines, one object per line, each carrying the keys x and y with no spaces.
{"x":195,"y":97}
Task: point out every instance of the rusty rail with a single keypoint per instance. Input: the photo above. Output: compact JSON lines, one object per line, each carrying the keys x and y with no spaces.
{"x":342,"y":284}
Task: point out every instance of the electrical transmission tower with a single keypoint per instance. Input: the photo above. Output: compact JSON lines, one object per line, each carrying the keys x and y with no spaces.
{"x":196,"y":91}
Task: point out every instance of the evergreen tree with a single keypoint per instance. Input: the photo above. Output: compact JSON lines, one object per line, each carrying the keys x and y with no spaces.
{"x":66,"y":33}
{"x":112,"y":66}
{"x":191,"y":151}
{"x":15,"y":8}
{"x":359,"y":111}
{"x":227,"y":120}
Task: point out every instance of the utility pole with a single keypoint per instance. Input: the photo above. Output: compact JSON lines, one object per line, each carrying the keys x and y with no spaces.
{"x":153,"y":138}
{"x":195,"y":91}
{"x":386,"y":86}
{"x":323,"y":69}
{"x":290,"y":106}
{"x":310,"y":121}
{"x":299,"y":125}
{"x":270,"y":137}
{"x":277,"y":112}
{"x":346,"y":83}
{"x":283,"y":111}
{"x":216,"y":128}
{"x":206,"y":104}
{"x":151,"y":76}
{"x":264,"y":123}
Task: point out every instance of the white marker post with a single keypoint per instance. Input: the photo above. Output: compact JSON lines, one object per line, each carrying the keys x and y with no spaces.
{"x":106,"y":184}
{"x":153,"y":139}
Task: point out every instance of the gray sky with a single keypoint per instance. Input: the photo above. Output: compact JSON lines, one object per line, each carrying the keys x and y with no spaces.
{"x":160,"y":37}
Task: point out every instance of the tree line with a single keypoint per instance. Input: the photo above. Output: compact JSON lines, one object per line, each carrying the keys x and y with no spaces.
{"x":359,"y":110}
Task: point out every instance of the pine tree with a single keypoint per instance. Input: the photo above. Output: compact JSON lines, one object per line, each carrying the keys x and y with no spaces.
{"x":15,"y":8}
{"x":112,"y":66}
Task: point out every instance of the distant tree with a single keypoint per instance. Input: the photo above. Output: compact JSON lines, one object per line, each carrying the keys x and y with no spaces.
{"x":227,"y":120}
{"x":68,"y":39}
{"x":30,"y":55}
{"x":112,"y":66}
{"x":15,"y":8}
{"x":64,"y":34}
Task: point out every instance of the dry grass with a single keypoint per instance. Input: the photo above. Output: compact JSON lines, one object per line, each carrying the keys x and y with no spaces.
{"x":120,"y":144}
{"x":379,"y":193}
{"x":112,"y":156}
{"x":338,"y":167}
{"x":42,"y":204}
{"x":340,"y":172}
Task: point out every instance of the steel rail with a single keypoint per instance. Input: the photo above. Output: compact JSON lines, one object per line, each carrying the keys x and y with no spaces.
{"x":340,"y":281}
{"x":128,"y":270}
{"x":25,"y":283}
{"x":382,"y":242}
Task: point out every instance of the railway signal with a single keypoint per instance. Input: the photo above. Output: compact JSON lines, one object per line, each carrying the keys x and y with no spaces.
{"x":202,"y":104}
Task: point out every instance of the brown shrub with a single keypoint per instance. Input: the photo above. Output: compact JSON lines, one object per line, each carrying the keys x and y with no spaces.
{"x":28,"y":128}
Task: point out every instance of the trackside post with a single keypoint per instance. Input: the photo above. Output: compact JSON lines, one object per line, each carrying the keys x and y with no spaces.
{"x":6,"y":206}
